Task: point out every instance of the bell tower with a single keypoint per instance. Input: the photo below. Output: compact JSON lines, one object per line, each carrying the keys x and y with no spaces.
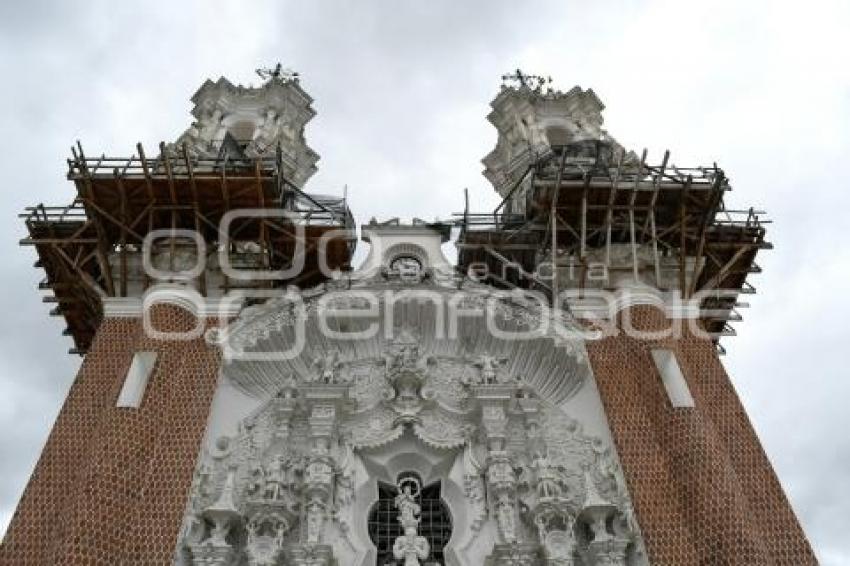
{"x":153,"y":251}
{"x":653,"y":264}
{"x":245,"y":122}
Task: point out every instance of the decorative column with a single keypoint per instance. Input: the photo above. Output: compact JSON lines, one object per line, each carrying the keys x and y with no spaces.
{"x":501,"y":478}
{"x":271,"y":503}
{"x":551,"y":511}
{"x":323,"y":402}
{"x":318,"y":477}
{"x":494,"y":400}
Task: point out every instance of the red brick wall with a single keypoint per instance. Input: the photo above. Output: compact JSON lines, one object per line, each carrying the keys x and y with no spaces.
{"x":111,"y":484}
{"x":703,"y":489}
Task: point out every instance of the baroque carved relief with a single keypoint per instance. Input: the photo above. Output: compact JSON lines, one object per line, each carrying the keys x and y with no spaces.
{"x":553,"y":494}
{"x":525,"y":484}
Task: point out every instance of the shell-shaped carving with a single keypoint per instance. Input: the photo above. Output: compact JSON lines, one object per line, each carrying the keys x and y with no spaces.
{"x":275,"y":340}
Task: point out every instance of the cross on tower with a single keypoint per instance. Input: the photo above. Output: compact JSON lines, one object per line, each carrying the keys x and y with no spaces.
{"x":534,"y":82}
{"x":277,"y":72}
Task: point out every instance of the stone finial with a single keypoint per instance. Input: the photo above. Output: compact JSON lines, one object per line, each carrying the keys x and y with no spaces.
{"x":223,"y":512}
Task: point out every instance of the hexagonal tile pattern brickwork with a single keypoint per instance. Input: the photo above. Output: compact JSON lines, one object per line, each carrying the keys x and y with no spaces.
{"x":111,"y":484}
{"x":703,"y":488}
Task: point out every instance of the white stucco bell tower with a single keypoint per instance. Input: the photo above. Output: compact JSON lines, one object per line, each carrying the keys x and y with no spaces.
{"x":251,"y":122}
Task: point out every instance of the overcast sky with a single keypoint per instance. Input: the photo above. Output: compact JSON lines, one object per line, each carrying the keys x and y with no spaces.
{"x":402,"y":90}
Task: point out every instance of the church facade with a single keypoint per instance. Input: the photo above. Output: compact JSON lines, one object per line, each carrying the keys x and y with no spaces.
{"x":247,"y":397}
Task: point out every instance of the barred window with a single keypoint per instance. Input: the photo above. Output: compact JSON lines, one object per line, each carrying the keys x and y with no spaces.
{"x":435,"y":522}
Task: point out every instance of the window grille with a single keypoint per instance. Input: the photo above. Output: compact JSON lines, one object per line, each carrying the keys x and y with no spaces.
{"x":435,"y":522}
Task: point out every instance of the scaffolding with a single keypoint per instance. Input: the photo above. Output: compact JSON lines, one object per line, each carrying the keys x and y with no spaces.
{"x":576,"y":204}
{"x":87,"y":247}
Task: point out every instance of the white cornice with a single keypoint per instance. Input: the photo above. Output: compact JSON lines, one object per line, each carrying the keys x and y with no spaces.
{"x":134,"y":307}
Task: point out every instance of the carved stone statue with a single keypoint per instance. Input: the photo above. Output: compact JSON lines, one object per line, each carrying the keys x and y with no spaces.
{"x":405,"y":502}
{"x":266,"y":133}
{"x":345,"y":478}
{"x":411,"y":547}
{"x":473,"y":485}
{"x":257,"y":482}
{"x":210,"y":128}
{"x":275,"y":479}
{"x":315,"y":521}
{"x":546,"y":477}
{"x":506,"y":517}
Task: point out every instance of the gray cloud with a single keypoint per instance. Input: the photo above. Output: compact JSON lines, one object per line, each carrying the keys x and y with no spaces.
{"x":402,"y":90}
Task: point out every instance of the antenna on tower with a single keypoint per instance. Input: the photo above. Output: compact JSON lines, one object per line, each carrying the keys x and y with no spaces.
{"x":278,"y":73}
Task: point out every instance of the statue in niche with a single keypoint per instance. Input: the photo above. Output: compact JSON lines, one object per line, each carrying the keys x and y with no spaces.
{"x":411,"y":547}
{"x":546,"y":477}
{"x":315,"y":521}
{"x":257,"y":481}
{"x":204,"y":479}
{"x":192,"y":139}
{"x":501,"y":472}
{"x":210,"y":127}
{"x":265,"y":135}
{"x":295,"y":468}
{"x":473,"y":483}
{"x":280,"y":531}
{"x":345,"y":475}
{"x":405,"y":501}
{"x":506,"y":517}
{"x":559,"y":545}
{"x":275,"y":479}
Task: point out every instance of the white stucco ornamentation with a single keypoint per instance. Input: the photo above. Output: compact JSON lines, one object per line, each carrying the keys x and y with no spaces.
{"x":253,"y":122}
{"x":531,"y":120}
{"x":296,"y":446}
{"x":410,"y":548}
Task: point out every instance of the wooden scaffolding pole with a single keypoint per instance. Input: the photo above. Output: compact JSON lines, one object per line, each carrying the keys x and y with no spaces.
{"x":683,"y":237}
{"x":553,"y":220}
